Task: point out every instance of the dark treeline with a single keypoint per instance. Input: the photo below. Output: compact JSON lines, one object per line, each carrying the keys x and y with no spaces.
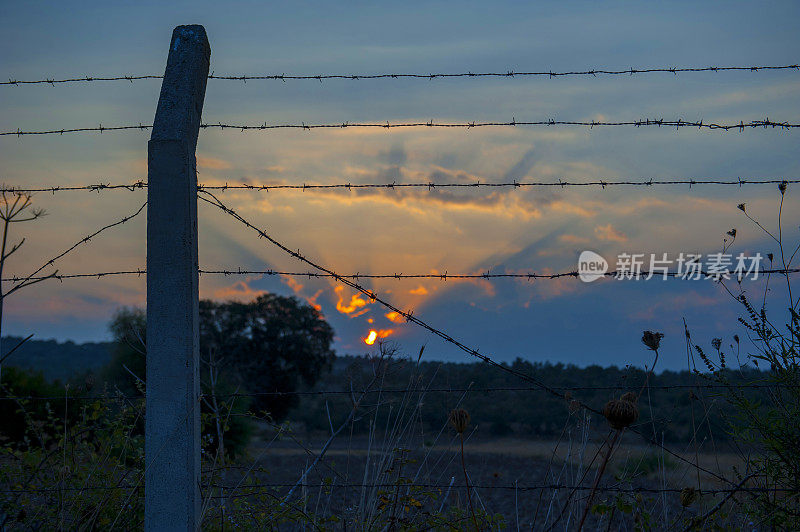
{"x":680,"y":402}
{"x":57,"y":360}
{"x":676,"y":406}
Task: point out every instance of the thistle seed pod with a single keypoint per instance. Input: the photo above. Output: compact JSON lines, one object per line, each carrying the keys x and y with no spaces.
{"x":630,"y":397}
{"x":459,"y":419}
{"x":688,"y":496}
{"x":620,"y":413}
{"x":652,"y":339}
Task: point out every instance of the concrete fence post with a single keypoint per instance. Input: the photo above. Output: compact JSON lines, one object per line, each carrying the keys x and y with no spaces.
{"x":172,"y":425}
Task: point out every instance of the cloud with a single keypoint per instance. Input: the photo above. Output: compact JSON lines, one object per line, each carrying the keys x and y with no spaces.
{"x":394,"y":317}
{"x":668,"y":305}
{"x":313,"y":300}
{"x":212,"y":163}
{"x":297,"y":288}
{"x":239,"y":291}
{"x":419,"y":291}
{"x":292,"y":283}
{"x":522,"y":167}
{"x":608,"y":233}
{"x":377,"y":335}
{"x":573,"y":239}
{"x":356,"y":302}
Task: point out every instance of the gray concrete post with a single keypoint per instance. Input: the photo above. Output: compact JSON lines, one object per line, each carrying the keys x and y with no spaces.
{"x":172,"y":425}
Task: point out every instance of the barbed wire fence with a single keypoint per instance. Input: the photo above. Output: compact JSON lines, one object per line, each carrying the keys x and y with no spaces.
{"x":430,"y":185}
{"x":766,"y":123}
{"x":356,"y":77}
{"x":221,"y":487}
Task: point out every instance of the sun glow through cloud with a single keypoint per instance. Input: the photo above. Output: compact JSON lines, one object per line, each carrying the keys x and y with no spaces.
{"x":377,"y":335}
{"x":370,"y":339}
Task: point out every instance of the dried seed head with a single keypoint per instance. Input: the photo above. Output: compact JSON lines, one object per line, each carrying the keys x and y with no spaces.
{"x":782,"y":187}
{"x":620,"y":413}
{"x":459,"y":419}
{"x":688,"y":496}
{"x":630,"y":397}
{"x":741,"y":207}
{"x":716,"y":343}
{"x":652,"y":339}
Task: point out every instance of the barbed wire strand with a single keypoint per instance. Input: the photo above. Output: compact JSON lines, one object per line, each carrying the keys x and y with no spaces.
{"x":33,"y":278}
{"x":137,"y":185}
{"x":408,"y":315}
{"x":430,"y":185}
{"x":679,"y":123}
{"x":644,"y":274}
{"x":429,"y":76}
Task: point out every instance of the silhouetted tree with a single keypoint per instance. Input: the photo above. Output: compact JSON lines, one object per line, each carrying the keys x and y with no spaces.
{"x":272,"y":344}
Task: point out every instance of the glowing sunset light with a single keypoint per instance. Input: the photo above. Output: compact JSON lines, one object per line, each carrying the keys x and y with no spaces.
{"x":356,"y":302}
{"x":377,"y":335}
{"x":395,"y":317}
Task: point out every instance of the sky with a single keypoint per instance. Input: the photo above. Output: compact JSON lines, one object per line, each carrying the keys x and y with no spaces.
{"x":416,"y":231}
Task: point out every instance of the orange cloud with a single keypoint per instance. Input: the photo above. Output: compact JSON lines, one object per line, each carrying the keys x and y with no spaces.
{"x":377,"y":335}
{"x":420,"y":291}
{"x":606,"y":232}
{"x":240,"y":290}
{"x":566,"y":207}
{"x":395,"y":317}
{"x":360,"y":312}
{"x":297,"y":288}
{"x":212,"y":163}
{"x":293,"y":284}
{"x":356,"y":302}
{"x":506,"y":204}
{"x":313,"y":300}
